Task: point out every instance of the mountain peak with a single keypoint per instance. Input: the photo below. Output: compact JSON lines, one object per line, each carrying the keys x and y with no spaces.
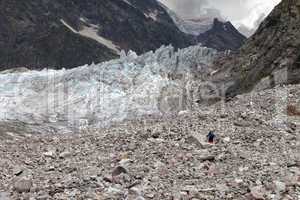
{"x":211,"y":32}
{"x":222,"y":36}
{"x":216,"y":22}
{"x":225,"y":25}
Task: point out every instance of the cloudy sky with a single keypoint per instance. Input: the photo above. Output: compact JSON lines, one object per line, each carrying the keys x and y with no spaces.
{"x":242,"y":13}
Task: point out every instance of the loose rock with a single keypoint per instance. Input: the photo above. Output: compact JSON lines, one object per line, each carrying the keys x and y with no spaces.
{"x":23,"y":185}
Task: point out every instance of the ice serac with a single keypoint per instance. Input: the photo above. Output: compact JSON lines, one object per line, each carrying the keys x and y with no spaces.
{"x":98,"y":94}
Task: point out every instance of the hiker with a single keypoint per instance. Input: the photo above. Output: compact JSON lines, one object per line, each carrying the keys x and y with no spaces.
{"x":211,"y":137}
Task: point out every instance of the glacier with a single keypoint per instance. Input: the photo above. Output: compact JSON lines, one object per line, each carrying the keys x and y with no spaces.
{"x":99,"y":94}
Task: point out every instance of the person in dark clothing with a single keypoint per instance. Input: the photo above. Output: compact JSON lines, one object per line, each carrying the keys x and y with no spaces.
{"x":211,"y":137}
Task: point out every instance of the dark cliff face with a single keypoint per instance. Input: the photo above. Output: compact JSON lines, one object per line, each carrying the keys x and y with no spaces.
{"x":222,"y":36}
{"x":271,"y":55}
{"x":32,"y":34}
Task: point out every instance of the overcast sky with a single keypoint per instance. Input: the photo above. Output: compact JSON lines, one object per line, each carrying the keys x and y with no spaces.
{"x":240,"y":12}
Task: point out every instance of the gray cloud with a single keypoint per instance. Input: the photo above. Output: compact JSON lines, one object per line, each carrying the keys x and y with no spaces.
{"x":242,"y":13}
{"x":186,"y":8}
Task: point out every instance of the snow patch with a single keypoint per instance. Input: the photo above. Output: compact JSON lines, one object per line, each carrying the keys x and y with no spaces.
{"x":68,"y":26}
{"x":126,"y":1}
{"x":153,"y":15}
{"x":91,"y":32}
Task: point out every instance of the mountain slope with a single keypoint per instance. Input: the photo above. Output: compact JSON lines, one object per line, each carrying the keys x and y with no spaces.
{"x":42,"y":33}
{"x":271,"y":56}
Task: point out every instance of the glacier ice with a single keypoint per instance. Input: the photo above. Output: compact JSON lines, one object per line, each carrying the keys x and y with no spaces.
{"x":98,"y":94}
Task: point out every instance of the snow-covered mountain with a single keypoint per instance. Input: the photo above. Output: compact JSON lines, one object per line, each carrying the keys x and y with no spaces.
{"x":99,"y":94}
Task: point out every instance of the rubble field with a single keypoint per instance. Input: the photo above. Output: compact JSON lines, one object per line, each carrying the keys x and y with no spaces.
{"x":255,"y":155}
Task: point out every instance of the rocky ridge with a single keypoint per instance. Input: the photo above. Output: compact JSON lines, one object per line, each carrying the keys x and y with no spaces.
{"x":270,"y":57}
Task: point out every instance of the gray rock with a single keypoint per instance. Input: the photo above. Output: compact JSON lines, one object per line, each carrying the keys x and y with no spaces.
{"x":194,"y":141}
{"x":258,"y":192}
{"x":114,"y":193}
{"x":49,"y":154}
{"x":18,"y":171}
{"x":279,"y":186}
{"x":65,"y":154}
{"x":119,"y":170}
{"x":207,"y":158}
{"x":4,"y":196}
{"x":23,"y":185}
{"x":43,"y":197}
{"x":242,"y":123}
